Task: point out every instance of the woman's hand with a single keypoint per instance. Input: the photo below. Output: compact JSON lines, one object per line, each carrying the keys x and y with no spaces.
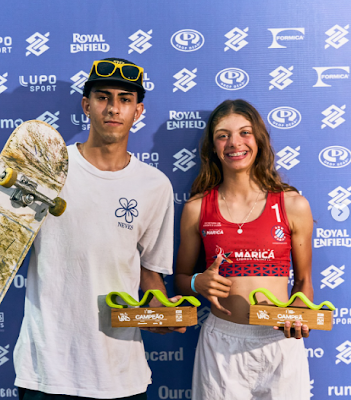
{"x":212,"y":286}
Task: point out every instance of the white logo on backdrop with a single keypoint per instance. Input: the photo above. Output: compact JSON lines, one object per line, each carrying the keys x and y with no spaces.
{"x":321,"y":75}
{"x":332,"y":276}
{"x":3,"y":80}
{"x":49,"y":118}
{"x":180,"y":198}
{"x":276,"y":31}
{"x":232,"y":79}
{"x":36,"y":83}
{"x":339,"y":203}
{"x":287,"y":157}
{"x":236,"y":39}
{"x":3,"y":352}
{"x":187,"y":40}
{"x":184,"y":159}
{"x":344,"y":353}
{"x":6,"y":41}
{"x":284,"y":117}
{"x":333,"y":116}
{"x":335,"y":157}
{"x":79,"y":80}
{"x":37,"y":44}
{"x":140,"y":41}
{"x":336,"y":36}
{"x":138,"y":124}
{"x":89,"y":42}
{"x":202,"y":315}
{"x":185,"y":80}
{"x":148,"y":85}
{"x":281,"y":77}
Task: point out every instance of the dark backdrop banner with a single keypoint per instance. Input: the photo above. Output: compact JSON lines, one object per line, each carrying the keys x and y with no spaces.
{"x":291,"y":60}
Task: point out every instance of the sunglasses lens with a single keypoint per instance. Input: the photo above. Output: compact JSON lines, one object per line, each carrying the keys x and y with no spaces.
{"x":130,"y":72}
{"x":105,"y":68}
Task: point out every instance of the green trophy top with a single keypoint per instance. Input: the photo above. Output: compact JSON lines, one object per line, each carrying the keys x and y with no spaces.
{"x":270,"y":296}
{"x":111,"y":299}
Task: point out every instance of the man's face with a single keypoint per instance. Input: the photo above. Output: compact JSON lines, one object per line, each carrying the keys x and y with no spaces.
{"x":112,"y":110}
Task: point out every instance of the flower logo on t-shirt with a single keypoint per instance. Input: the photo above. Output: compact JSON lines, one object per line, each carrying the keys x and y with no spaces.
{"x":128,"y":209}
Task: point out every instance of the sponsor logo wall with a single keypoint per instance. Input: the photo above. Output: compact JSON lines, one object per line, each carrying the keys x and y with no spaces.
{"x":297,"y":74}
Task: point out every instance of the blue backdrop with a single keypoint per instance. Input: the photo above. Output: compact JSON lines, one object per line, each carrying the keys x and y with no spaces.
{"x":291,"y":60}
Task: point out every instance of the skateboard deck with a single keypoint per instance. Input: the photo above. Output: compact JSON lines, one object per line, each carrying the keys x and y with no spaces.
{"x":33,"y":170}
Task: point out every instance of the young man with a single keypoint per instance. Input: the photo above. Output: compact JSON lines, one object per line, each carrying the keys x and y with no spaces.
{"x":115,"y":235}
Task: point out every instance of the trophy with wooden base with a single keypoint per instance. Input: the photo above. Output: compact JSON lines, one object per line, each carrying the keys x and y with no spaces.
{"x":130,"y":313}
{"x":314,"y":316}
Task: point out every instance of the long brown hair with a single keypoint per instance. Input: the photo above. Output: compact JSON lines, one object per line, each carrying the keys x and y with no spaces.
{"x":263,"y":172}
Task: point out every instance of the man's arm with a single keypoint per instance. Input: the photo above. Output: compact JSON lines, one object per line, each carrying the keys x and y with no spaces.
{"x":151,"y":280}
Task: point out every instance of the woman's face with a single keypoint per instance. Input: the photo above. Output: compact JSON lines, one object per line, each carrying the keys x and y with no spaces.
{"x":235,"y":143}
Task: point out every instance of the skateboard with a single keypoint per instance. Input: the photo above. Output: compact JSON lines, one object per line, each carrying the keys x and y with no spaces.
{"x":318,"y":317}
{"x":33,"y":170}
{"x":138,"y":316}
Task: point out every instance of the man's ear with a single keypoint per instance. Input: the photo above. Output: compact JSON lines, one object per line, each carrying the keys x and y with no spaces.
{"x":139,"y":110}
{"x":86,"y":105}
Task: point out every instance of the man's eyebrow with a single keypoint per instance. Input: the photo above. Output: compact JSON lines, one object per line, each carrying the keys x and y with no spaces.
{"x":108,"y":92}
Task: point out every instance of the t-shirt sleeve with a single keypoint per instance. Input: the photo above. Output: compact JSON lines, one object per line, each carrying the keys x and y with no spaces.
{"x":156,"y":244}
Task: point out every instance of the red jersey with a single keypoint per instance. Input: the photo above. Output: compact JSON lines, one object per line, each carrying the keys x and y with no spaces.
{"x":262,"y":249}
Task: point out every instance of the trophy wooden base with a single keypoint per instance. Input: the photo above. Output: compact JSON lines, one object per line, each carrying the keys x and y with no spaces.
{"x":261,"y":314}
{"x":153,"y":317}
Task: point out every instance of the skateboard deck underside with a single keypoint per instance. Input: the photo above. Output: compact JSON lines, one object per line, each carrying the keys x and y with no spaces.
{"x":37,"y":151}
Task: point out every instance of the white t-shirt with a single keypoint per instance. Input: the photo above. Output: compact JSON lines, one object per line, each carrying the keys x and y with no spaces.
{"x":114,"y":222}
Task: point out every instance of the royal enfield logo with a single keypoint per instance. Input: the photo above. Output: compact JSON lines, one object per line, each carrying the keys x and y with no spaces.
{"x":336,"y":37}
{"x":41,"y":83}
{"x":85,"y":42}
{"x":332,"y":238}
{"x":287,"y":157}
{"x":49,"y":118}
{"x":3,"y":80}
{"x":344,"y":353}
{"x":232,"y":79}
{"x":339,"y":203}
{"x":333,"y":116}
{"x":5,"y":44}
{"x":278,"y":37}
{"x":281,"y":78}
{"x":3,"y":352}
{"x":79,"y":80}
{"x":335,"y":157}
{"x":138,"y":124}
{"x":37,"y":44}
{"x":187,"y":40}
{"x":334,"y":75}
{"x":140,"y":41}
{"x":185,"y":80}
{"x":332,"y":276}
{"x":236,"y":39}
{"x":181,"y":198}
{"x":185,"y":120}
{"x":148,"y":85}
{"x":284,"y":117}
{"x":81,"y":120}
{"x":184,"y":159}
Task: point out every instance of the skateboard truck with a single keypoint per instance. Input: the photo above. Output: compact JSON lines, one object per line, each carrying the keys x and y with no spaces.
{"x":26,"y":192}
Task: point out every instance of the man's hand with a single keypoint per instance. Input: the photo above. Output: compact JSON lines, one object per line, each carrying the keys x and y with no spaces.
{"x":163,"y":330}
{"x":297,"y":332}
{"x":212,"y":285}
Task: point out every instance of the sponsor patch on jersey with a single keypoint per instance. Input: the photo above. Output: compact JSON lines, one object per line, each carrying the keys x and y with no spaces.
{"x":212,"y":232}
{"x":278,"y":233}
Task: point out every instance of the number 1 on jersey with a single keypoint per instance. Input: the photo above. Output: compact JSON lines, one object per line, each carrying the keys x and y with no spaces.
{"x":277,"y":212}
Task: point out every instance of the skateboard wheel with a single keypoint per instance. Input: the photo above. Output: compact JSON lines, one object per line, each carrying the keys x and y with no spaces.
{"x":59,"y":207}
{"x":8,"y":177}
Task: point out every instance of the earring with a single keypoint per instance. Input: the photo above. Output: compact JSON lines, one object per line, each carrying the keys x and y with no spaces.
{"x":88,"y":115}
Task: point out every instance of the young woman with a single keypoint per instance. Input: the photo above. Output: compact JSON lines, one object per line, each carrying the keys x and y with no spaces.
{"x":250,"y":224}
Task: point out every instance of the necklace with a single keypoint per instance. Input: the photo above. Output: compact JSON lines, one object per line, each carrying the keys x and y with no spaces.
{"x":81,"y":147}
{"x":240,"y":231}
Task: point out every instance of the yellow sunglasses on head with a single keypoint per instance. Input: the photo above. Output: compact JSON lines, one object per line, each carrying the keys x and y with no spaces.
{"x":107,"y":68}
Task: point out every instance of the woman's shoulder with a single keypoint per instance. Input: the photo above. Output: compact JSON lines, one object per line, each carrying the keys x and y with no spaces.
{"x":295,"y":203}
